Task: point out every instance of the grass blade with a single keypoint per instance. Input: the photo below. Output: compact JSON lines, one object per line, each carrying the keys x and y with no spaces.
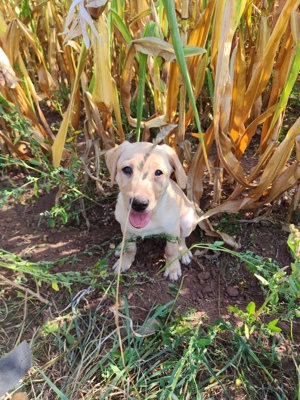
{"x":51,"y":384}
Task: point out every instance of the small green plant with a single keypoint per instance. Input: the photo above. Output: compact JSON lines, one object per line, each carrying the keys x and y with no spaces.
{"x":41,"y":178}
{"x":169,"y":355}
{"x":278,"y":285}
{"x":252,"y":323}
{"x":21,"y":128}
{"x":65,"y":210}
{"x":229,"y":224}
{"x":61,"y":97}
{"x":282,"y":289}
{"x":41,"y":272}
{"x":294,"y":244}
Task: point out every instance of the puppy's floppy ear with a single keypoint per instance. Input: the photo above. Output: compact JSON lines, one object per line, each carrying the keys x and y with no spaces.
{"x":176,"y":164}
{"x":111,"y":158}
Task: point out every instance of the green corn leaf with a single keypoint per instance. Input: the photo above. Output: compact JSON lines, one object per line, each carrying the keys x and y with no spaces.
{"x":149,"y":31}
{"x":190,"y":51}
{"x":121,"y":26}
{"x":293,"y":75}
{"x":169,"y":7}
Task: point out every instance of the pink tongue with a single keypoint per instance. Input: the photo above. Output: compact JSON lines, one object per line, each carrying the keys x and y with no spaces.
{"x":139,"y":220}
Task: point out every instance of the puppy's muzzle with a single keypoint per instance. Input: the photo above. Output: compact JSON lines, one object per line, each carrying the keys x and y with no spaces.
{"x":139,"y":203}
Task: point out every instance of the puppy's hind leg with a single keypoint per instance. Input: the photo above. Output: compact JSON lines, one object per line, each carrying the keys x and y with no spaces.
{"x":187,"y":224}
{"x":184,"y":253}
{"x":126,"y":258}
{"x":173,"y":270}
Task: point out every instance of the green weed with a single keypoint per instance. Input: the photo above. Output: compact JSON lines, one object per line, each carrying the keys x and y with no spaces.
{"x":81,"y":349}
{"x":179,"y":359}
{"x":228,"y":224}
{"x":43,"y":178}
{"x":168,"y":355}
{"x":41,"y":272}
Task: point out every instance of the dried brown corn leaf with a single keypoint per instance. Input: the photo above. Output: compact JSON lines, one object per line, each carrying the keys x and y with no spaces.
{"x":199,"y":81}
{"x":59,"y":143}
{"x":260,"y":48}
{"x":198,"y":37}
{"x":105,"y":94}
{"x":14,"y":150}
{"x":65,"y":58}
{"x":284,"y":181}
{"x":94,"y":118}
{"x":53,"y":43}
{"x":9,"y":78}
{"x":229,"y":161}
{"x":276,"y":178}
{"x":20,"y":396}
{"x":125,"y":83}
{"x":150,"y":46}
{"x":173,"y":82}
{"x":195,"y":174}
{"x":103,"y":91}
{"x":277,"y":162}
{"x":24,"y":108}
{"x":11,"y":46}
{"x":154,"y":47}
{"x":223,"y":93}
{"x":117,"y":111}
{"x":280,"y":74}
{"x":236,"y":124}
{"x":264,"y":68}
{"x":245,"y":138}
{"x":206,"y":226}
{"x":216,"y":33}
{"x":3,"y":27}
{"x":229,"y":206}
{"x":292,"y":73}
{"x":95,"y":7}
{"x":79,"y":21}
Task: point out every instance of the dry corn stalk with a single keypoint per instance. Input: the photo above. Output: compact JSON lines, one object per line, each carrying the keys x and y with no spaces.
{"x":252,"y":57}
{"x":240,"y":79}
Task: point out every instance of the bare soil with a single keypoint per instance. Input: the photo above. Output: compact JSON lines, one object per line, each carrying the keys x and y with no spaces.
{"x":209,"y":284}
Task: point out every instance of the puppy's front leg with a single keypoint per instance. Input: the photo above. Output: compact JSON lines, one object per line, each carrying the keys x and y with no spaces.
{"x":173,"y":270}
{"x":126,"y":258}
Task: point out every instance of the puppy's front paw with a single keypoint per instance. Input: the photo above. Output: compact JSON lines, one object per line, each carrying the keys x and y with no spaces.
{"x":173,"y":272}
{"x":125,"y":265}
{"x":186,"y":257}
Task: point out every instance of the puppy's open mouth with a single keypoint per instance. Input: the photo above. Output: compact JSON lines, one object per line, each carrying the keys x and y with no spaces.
{"x":139,"y":220}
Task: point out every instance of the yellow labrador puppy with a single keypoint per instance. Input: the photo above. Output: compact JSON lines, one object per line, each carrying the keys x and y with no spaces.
{"x":150,"y":203}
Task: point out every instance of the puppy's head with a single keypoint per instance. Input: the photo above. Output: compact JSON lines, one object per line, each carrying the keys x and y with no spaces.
{"x":142,"y":171}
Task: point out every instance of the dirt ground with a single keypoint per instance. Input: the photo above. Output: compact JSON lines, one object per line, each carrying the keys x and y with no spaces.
{"x":210,"y":283}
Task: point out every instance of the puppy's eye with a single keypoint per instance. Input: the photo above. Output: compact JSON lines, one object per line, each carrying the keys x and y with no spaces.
{"x":158,"y":172}
{"x":127,"y":170}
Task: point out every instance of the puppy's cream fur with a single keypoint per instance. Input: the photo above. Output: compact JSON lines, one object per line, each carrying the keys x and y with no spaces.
{"x":149,"y":202}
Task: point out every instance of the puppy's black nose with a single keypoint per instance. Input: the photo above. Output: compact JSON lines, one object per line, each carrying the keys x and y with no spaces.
{"x":140,"y":203}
